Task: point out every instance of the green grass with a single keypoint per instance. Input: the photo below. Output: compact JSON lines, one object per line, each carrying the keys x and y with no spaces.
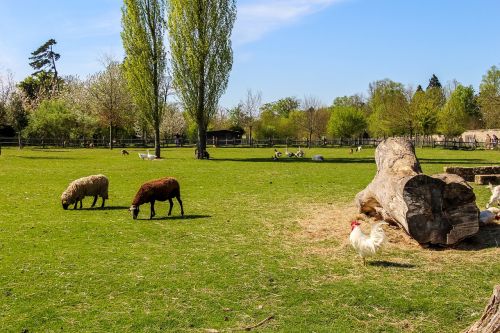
{"x":235,"y":258}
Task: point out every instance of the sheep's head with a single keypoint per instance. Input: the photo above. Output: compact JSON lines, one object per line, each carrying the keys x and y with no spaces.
{"x":134,"y":210}
{"x":65,"y":205}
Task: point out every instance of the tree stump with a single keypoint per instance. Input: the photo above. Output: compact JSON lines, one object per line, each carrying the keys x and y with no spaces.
{"x":436,"y":210}
{"x":490,"y":320}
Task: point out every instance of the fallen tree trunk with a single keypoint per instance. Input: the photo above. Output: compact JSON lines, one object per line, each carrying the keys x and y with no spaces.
{"x":438,"y":209}
{"x":490,"y":320}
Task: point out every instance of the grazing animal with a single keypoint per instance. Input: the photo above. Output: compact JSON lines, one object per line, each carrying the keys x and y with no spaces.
{"x":143,"y":156}
{"x":157,"y":190}
{"x":351,"y":151}
{"x":124,"y":152}
{"x":289,"y":153}
{"x":359,"y":148}
{"x":489,"y":215}
{"x":495,"y":195}
{"x":204,"y":155}
{"x":318,"y":158}
{"x":95,"y":185}
{"x":367,"y":245}
{"x":300,"y":153}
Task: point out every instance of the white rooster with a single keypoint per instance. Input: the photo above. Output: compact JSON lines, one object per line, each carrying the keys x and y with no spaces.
{"x":367,"y":245}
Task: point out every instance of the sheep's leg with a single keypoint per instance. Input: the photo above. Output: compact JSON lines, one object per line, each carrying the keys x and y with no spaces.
{"x":103,"y":200}
{"x":81,"y":205}
{"x":76,"y":204}
{"x":93,"y":203}
{"x":180,"y":203}
{"x":171,"y":205}
{"x":152,"y":210}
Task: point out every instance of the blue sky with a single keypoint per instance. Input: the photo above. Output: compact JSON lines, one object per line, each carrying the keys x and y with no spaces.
{"x":320,"y":48}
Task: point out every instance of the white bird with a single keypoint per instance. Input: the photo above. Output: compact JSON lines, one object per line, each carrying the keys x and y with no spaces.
{"x":489,"y":215}
{"x":300,"y":153}
{"x":149,"y":156}
{"x":367,"y":245}
{"x":359,"y":148}
{"x":495,"y":195}
{"x":143,"y":156}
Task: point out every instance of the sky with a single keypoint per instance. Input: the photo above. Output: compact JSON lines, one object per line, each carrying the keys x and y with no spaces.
{"x":302,"y":48}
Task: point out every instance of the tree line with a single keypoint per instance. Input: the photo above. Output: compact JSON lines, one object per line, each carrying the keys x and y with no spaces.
{"x":147,"y":95}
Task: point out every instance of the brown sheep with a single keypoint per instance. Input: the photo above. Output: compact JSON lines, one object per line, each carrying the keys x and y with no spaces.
{"x":159,"y":189}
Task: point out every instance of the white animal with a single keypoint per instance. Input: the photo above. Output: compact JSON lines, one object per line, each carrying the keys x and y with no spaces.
{"x":149,"y":156}
{"x":359,"y":148}
{"x":495,"y":195}
{"x":143,"y":156}
{"x":277,"y":154}
{"x":300,"y":153}
{"x":489,"y":215}
{"x":367,"y":245}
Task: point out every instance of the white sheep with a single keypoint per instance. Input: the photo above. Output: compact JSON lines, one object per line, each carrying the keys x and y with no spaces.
{"x":95,"y":185}
{"x":495,"y":195}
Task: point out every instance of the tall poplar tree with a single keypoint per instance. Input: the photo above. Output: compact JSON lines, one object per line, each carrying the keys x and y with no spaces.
{"x":202,"y":56}
{"x":143,"y":34}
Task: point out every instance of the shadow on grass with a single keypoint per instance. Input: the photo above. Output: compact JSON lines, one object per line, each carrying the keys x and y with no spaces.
{"x":487,"y":237}
{"x":177,"y":217}
{"x":296,"y":160}
{"x":48,"y":158}
{"x":453,"y":161}
{"x":104,"y":208}
{"x":384,"y":263}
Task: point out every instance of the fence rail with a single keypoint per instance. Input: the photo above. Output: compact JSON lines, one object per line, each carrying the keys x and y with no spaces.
{"x":336,"y":142}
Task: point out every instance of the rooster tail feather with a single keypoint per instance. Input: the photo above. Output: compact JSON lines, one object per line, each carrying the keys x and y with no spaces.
{"x":377,"y":234}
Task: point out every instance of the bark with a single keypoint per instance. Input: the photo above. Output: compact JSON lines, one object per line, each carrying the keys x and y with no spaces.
{"x":110,"y":136}
{"x":436,"y":210}
{"x":490,"y":320}
{"x":202,"y":142}
{"x":157,"y":141}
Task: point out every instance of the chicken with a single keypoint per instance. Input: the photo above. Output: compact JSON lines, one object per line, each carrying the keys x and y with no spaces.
{"x":367,"y":245}
{"x":489,"y":215}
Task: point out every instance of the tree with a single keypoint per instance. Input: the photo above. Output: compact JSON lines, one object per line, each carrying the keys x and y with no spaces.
{"x":44,"y":60}
{"x":489,"y":98}
{"x":173,"y":122}
{"x":145,"y":64}
{"x":453,"y":117}
{"x":346,"y":122}
{"x":7,"y":88}
{"x":251,"y":110}
{"x":282,"y":107}
{"x":311,"y":122}
{"x":426,"y":116}
{"x":202,"y":56}
{"x":390,"y":113}
{"x":17,"y":115}
{"x":109,"y":95}
{"x":434,"y":82}
{"x":51,"y":120}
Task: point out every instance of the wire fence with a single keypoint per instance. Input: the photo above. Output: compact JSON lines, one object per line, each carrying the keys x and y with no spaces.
{"x":243,"y":143}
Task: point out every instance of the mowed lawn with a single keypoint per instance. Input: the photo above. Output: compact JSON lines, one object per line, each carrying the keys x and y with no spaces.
{"x":242,"y":253}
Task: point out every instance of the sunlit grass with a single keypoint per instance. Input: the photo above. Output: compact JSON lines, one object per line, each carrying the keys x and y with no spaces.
{"x":232,"y":261}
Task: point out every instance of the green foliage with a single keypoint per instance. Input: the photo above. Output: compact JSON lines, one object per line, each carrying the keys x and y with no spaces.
{"x":51,"y":120}
{"x":355,"y":101}
{"x":44,"y":58}
{"x":434,"y":82}
{"x":38,"y":87}
{"x":489,"y":98}
{"x":390,"y":112}
{"x":17,"y":116}
{"x":202,"y":57}
{"x":346,"y":122}
{"x":282,"y":107}
{"x":426,"y":114}
{"x":454,"y":116}
{"x":143,"y":33}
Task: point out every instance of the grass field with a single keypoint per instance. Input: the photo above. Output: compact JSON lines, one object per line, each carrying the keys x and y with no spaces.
{"x":259,"y":238}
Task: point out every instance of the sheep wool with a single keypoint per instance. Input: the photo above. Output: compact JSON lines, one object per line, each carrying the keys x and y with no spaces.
{"x":95,"y":185}
{"x":157,"y":190}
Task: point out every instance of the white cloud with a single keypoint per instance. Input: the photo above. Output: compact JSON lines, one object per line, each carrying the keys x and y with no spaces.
{"x":256,"y":18}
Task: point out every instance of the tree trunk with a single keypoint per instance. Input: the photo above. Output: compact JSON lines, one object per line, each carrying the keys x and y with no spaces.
{"x":490,"y":320}
{"x":439,"y":209}
{"x":19,"y":140}
{"x":110,"y":135}
{"x":202,"y":142}
{"x":157,"y":140}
